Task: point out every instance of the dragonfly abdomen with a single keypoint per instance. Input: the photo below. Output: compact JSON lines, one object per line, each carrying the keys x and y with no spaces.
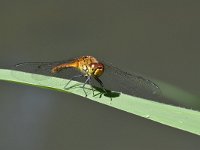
{"x":64,"y":66}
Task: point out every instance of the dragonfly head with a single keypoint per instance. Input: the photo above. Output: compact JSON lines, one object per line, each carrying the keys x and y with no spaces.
{"x":97,"y":69}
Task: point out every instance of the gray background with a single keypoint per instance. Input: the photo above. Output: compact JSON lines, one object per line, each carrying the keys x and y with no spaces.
{"x":159,"y":39}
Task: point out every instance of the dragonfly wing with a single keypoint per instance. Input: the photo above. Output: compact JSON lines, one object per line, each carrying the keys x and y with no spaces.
{"x":132,"y":84}
{"x":44,"y":68}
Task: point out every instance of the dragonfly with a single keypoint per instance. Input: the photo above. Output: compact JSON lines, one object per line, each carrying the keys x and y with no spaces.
{"x":97,"y":73}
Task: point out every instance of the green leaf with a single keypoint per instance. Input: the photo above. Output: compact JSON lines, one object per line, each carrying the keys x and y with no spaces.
{"x":177,"y":117}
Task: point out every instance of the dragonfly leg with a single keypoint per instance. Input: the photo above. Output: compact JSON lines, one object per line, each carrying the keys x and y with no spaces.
{"x":77,"y":76}
{"x":90,"y":82}
{"x":86,"y":81}
{"x":101,"y":83}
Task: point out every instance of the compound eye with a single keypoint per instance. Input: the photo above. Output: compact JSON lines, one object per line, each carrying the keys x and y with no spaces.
{"x":97,"y":69}
{"x":98,"y":72}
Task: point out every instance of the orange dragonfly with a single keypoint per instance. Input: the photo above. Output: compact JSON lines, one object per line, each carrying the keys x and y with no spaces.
{"x":90,"y":68}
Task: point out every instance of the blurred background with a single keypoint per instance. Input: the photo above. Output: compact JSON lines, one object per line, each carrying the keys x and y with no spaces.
{"x":158,"y":39}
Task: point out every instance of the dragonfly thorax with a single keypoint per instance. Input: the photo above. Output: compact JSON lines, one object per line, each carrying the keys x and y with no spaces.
{"x":93,"y":69}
